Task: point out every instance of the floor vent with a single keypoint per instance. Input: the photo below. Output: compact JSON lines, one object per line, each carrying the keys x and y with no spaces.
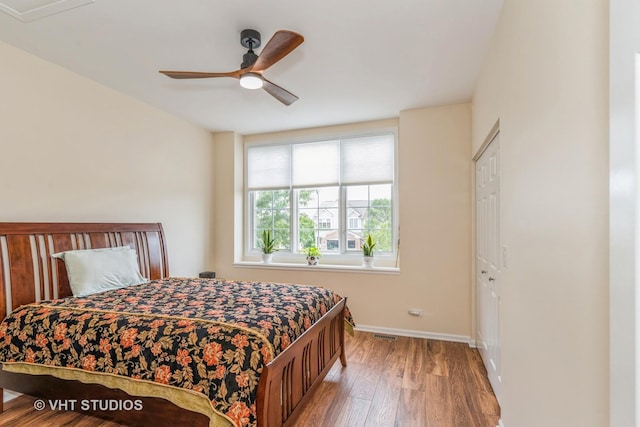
{"x":385,"y":337}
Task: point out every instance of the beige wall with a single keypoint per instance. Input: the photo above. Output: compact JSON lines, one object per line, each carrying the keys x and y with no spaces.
{"x":545,"y":78}
{"x":435,"y":212}
{"x":72,"y":150}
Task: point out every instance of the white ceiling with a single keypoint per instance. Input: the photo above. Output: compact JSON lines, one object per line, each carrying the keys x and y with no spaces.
{"x":361,"y":59}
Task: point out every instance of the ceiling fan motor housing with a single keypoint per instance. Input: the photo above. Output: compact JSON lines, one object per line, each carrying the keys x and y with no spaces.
{"x":248,"y":59}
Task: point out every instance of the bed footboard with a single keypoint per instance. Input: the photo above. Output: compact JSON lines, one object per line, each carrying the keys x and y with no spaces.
{"x":288,"y":381}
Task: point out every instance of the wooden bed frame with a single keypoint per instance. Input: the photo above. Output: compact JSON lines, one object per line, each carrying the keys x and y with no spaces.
{"x":29,"y":274}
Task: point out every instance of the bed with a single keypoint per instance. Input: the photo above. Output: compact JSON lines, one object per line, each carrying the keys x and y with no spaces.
{"x":285,"y":372}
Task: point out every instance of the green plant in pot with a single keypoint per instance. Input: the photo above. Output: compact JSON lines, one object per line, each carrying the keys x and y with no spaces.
{"x":313,"y":255}
{"x":267,"y":245}
{"x":367,"y":251}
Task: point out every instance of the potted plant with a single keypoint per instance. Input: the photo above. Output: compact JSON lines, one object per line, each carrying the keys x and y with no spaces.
{"x":267,"y":245}
{"x":313,"y":255}
{"x":367,"y":251}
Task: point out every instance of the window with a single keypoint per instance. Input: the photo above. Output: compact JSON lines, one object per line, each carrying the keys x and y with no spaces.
{"x":354,"y":223}
{"x":373,"y":204}
{"x":332,"y":244}
{"x":272,"y":212}
{"x":324,"y":223}
{"x":328,"y":194}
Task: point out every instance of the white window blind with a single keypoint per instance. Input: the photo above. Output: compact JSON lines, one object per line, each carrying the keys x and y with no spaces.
{"x":349,"y":161}
{"x":269,"y":167}
{"x":316,"y":164}
{"x":367,"y":160}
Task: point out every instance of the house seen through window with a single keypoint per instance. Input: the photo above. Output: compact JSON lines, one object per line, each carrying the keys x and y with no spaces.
{"x":329,"y":194}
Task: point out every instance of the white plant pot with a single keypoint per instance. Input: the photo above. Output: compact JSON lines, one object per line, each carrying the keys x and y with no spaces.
{"x":313,"y":260}
{"x":367,"y":261}
{"x":266,"y":258}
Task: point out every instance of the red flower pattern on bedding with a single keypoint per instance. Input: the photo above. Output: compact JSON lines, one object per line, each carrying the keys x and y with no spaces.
{"x":206,"y":335}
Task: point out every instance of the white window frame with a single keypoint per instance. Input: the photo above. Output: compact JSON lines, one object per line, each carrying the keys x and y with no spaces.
{"x":348,"y":256}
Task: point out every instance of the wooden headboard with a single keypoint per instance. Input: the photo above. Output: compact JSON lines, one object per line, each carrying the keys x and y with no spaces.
{"x":29,"y":274}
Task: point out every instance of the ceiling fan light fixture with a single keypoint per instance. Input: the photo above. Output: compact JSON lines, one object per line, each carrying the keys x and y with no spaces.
{"x":251,"y":81}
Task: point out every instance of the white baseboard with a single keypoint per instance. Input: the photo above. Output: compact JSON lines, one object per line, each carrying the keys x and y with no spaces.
{"x":415,"y":334}
{"x":9,"y":395}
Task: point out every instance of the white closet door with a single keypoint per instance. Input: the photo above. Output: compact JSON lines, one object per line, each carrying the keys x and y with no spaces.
{"x":488,"y":260}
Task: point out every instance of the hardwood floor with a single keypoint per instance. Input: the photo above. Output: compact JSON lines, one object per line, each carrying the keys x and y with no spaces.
{"x":403,"y":382}
{"x":406,"y":382}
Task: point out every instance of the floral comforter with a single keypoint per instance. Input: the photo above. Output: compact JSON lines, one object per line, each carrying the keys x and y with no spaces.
{"x":205,"y":335}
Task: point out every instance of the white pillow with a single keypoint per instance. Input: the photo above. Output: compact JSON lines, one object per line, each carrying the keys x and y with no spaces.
{"x":97,"y":270}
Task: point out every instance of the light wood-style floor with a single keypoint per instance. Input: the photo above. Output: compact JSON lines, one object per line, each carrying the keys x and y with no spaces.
{"x":403,"y":382}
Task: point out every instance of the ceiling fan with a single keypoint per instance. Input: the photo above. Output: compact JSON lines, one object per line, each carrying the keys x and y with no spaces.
{"x":280,"y":45}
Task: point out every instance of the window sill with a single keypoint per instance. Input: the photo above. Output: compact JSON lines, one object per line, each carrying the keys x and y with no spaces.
{"x":319,"y":267}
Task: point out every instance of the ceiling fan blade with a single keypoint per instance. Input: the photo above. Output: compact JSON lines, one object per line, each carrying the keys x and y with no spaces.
{"x":282,"y":95}
{"x":280,"y":45}
{"x":199,"y":75}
